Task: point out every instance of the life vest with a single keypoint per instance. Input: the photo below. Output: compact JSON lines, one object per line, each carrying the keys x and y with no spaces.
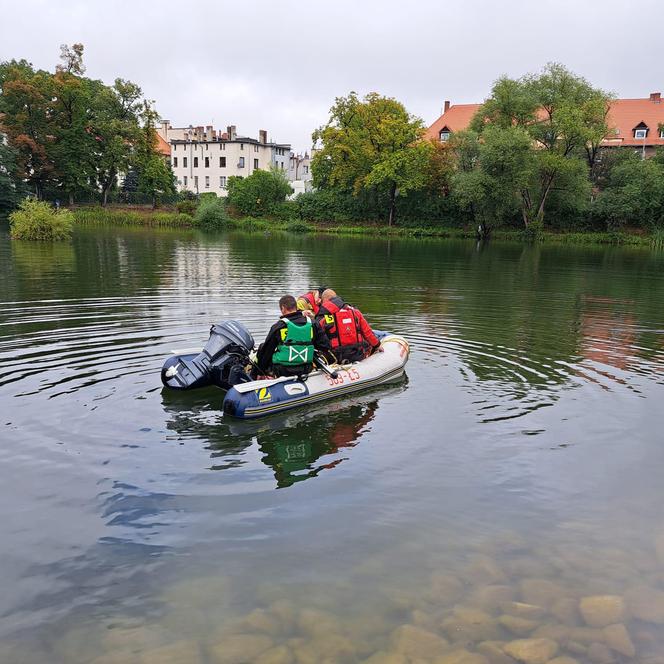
{"x":296,"y":346}
{"x":307,"y":301}
{"x":340,"y":325}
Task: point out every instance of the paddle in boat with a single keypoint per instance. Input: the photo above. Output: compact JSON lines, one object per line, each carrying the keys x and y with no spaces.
{"x":227,"y":353}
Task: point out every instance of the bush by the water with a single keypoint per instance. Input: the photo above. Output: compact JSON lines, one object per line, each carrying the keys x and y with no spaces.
{"x":259,"y":193}
{"x":212,"y":214}
{"x":187,"y":206}
{"x":37,"y":220}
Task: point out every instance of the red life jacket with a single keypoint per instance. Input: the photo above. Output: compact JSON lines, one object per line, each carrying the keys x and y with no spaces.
{"x":340,"y":324}
{"x":309,"y":297}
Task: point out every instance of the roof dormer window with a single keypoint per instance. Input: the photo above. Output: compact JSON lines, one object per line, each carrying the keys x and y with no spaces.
{"x":444,"y":135}
{"x":641,"y":131}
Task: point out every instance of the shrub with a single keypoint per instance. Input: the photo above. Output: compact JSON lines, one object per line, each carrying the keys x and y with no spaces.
{"x":258,"y":194}
{"x":36,"y":220}
{"x":298,"y":226}
{"x":99,"y":215}
{"x":285,"y":211}
{"x":212,"y":215}
{"x":188,"y":206}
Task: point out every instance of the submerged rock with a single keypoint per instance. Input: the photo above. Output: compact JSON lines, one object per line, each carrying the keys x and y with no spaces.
{"x":418,"y":643}
{"x":517,"y":625}
{"x":239,"y":648}
{"x":493,"y":651}
{"x":646,"y":604}
{"x":600,"y":653}
{"x":532,"y":651}
{"x":174,"y":653}
{"x":445,"y":588}
{"x":316,"y":622}
{"x":490,"y":597}
{"x":564,"y":659}
{"x":278,"y":655}
{"x":602,"y":610}
{"x":382,"y":657}
{"x":541,"y":592}
{"x":260,"y":620}
{"x":566,"y":609}
{"x":461,"y":657}
{"x":617,"y":637}
{"x":523,"y":610}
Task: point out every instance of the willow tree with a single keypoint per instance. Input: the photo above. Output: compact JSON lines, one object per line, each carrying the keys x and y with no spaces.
{"x":565,"y":119}
{"x":371,"y":144}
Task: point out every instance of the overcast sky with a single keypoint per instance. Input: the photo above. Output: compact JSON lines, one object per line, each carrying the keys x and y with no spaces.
{"x":279,"y":64}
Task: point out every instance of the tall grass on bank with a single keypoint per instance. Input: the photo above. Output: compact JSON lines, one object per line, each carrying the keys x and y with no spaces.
{"x":657,"y":238}
{"x":37,"y":220}
{"x":99,"y":215}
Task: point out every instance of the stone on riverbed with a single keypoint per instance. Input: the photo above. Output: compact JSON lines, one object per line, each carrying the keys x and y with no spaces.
{"x":493,"y":651}
{"x":316,"y":622}
{"x":566,"y":609}
{"x":518,"y":626}
{"x":523,"y":610}
{"x":174,"y":653}
{"x":490,"y":597}
{"x":417,"y":643}
{"x":617,"y":637}
{"x":541,"y":592}
{"x":382,"y":657}
{"x":600,"y":653}
{"x":602,"y":610}
{"x":646,"y":604}
{"x":532,"y":651}
{"x":461,"y":657}
{"x":260,"y":620}
{"x":278,"y":655}
{"x":240,"y":648}
{"x":564,"y":659}
{"x":445,"y":588}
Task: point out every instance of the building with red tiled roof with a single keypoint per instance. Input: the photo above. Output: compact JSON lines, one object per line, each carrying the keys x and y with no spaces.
{"x":163,"y":148}
{"x":635,"y":123}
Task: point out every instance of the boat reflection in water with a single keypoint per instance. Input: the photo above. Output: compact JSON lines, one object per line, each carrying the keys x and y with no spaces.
{"x":296,"y":445}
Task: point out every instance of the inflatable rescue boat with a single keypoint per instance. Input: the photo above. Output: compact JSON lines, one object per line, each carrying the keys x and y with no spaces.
{"x":227,"y":352}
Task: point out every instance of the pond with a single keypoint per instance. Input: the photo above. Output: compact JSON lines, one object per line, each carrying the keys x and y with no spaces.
{"x":504,"y":501}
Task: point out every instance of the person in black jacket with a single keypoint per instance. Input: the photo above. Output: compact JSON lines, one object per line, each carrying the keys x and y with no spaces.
{"x":266,"y":350}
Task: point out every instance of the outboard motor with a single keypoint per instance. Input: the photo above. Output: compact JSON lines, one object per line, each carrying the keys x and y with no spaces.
{"x":217,"y":364}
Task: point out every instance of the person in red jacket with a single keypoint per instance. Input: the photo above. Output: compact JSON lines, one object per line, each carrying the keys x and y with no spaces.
{"x":309,"y":303}
{"x":351,"y":337}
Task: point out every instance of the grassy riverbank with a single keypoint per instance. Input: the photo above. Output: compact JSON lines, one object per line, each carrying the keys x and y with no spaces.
{"x":137,"y":216}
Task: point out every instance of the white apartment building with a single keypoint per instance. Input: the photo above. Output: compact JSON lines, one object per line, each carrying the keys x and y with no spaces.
{"x":203,"y":158}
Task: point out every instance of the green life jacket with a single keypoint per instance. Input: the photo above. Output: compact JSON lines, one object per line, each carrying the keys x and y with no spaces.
{"x":296,"y":346}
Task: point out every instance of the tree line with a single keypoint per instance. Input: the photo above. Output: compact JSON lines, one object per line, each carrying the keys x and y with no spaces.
{"x":532,"y":156}
{"x":66,"y":136}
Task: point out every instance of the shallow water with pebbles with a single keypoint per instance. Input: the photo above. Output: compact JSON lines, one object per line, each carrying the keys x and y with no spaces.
{"x":501,"y":504}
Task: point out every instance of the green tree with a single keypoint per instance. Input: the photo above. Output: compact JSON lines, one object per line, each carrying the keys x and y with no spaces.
{"x":25,"y":98}
{"x":372,"y":144}
{"x":155,"y":177}
{"x":11,"y":185}
{"x":565,"y":118}
{"x":259,"y":193}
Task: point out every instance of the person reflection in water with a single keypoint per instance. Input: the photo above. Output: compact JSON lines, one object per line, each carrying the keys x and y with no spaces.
{"x":292,"y":451}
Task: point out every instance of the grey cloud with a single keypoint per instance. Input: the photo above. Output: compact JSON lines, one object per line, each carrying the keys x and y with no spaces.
{"x":279,"y":65}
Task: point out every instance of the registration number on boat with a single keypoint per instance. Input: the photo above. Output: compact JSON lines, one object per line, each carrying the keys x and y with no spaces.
{"x":351,"y":374}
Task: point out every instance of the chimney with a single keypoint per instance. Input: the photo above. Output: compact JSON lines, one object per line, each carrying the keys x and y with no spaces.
{"x":232,"y":132}
{"x":656,"y":97}
{"x":446,"y":107}
{"x":262,"y":136}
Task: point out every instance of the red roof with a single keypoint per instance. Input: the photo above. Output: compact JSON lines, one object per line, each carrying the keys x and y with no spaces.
{"x":624,"y":116}
{"x":456,"y":118}
{"x":163,"y":147}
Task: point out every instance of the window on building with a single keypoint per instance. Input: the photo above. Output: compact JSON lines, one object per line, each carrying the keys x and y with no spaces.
{"x":306,"y":169}
{"x":222,"y":146}
{"x":255,"y":148}
{"x":661,"y":133}
{"x":640,"y":133}
{"x":241,"y":146}
{"x":240,"y":163}
{"x":195,"y":162}
{"x":207,"y":162}
{"x":184,"y":179}
{"x":175,"y":162}
{"x":207,"y":181}
{"x":175,"y":146}
{"x":222,"y":162}
{"x":255,"y":163}
{"x":206,"y":146}
{"x":184,"y":162}
{"x":444,"y":135}
{"x":196,"y":182}
{"x":222,"y":181}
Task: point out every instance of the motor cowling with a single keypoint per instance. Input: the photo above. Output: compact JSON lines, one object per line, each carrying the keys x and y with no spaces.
{"x":228,"y":346}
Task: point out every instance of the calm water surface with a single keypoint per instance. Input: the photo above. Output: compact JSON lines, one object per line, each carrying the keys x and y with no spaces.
{"x":518,"y":469}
